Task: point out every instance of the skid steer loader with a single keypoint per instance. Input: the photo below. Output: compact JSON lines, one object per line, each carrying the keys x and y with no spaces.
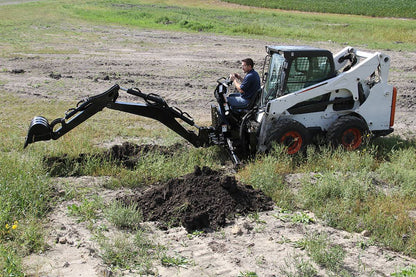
{"x":307,"y":93}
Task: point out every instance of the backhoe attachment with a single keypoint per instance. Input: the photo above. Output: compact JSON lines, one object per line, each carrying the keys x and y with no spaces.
{"x":155,"y":107}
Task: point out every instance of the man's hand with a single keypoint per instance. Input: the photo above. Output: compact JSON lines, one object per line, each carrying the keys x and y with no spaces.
{"x":235,"y":76}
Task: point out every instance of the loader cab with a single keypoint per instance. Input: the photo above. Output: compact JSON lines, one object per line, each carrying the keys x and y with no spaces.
{"x":294,"y":68}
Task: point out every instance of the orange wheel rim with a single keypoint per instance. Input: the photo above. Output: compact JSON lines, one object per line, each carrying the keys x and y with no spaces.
{"x":293,"y":141}
{"x":351,"y":138}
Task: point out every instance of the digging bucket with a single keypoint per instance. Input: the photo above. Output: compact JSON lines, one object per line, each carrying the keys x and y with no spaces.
{"x":39,"y":129}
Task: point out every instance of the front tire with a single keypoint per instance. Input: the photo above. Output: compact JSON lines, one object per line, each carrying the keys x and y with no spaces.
{"x":348,"y":131}
{"x":291,"y":134}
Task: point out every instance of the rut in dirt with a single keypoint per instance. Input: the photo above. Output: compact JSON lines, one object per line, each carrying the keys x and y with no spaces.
{"x":204,"y":199}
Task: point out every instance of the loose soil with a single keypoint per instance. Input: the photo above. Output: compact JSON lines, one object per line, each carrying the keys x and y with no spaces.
{"x":179,"y":67}
{"x":204,"y":199}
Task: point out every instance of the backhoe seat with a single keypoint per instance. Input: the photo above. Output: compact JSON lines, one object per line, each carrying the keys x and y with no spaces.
{"x":250,"y":105}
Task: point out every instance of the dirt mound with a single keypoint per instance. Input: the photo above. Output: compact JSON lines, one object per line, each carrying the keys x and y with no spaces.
{"x":126,"y":154}
{"x":199,"y":200}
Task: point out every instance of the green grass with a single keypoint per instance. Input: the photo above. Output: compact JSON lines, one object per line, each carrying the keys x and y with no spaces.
{"x":274,"y":24}
{"x":124,"y":216}
{"x":368,"y":190}
{"x":126,"y":251}
{"x":88,"y":210}
{"x":321,"y":251}
{"x":48,"y":22}
{"x":382,"y":8}
{"x":25,"y":198}
{"x":406,"y":272}
{"x":297,"y":266}
{"x":247,"y":274}
{"x":176,"y":260}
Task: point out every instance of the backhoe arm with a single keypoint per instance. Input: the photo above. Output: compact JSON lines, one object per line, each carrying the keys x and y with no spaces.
{"x":155,"y":107}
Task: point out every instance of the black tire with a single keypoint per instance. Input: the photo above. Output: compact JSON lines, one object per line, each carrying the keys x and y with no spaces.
{"x":290,"y":133}
{"x":348,"y":131}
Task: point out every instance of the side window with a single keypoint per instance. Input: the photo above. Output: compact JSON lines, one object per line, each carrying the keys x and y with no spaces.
{"x":306,"y":71}
{"x":320,"y":69}
{"x":297,"y":74}
{"x":312,"y":71}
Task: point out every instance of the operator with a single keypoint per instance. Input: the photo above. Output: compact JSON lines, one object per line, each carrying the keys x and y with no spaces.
{"x":247,"y":86}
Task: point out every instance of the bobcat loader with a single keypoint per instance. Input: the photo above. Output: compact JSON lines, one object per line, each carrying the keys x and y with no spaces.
{"x":307,"y":93}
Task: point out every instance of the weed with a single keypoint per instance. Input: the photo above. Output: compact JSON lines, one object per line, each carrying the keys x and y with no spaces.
{"x":194,"y":234}
{"x":255,"y":217}
{"x":283,"y":240}
{"x":362,"y":245}
{"x":399,"y":172}
{"x":247,"y":274}
{"x":297,"y":266}
{"x":88,"y":210}
{"x":297,"y":217}
{"x":406,"y":272}
{"x":178,"y":261}
{"x":324,"y":254}
{"x":123,"y":216}
{"x":301,"y":217}
{"x":119,"y":252}
{"x":260,"y":260}
{"x":10,"y":263}
{"x":127,"y":252}
{"x":31,"y":237}
{"x":266,"y":173}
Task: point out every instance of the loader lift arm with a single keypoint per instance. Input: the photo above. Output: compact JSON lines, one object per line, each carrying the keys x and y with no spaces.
{"x":155,"y":107}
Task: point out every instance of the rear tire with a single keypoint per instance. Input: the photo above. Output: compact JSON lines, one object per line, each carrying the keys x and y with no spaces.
{"x":291,"y":134}
{"x":348,"y":131}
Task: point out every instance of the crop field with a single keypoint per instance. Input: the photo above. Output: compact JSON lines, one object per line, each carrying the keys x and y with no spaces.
{"x":382,"y":8}
{"x":54,"y":53}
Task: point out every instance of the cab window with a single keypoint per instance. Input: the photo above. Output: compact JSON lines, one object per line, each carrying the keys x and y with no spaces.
{"x":306,"y":71}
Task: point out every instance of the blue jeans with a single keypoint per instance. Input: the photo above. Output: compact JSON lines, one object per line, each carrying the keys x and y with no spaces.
{"x":236,"y":101}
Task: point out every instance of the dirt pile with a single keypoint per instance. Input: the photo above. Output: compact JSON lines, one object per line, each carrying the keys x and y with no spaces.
{"x":199,"y":200}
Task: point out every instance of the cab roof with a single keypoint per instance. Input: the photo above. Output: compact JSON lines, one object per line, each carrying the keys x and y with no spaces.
{"x":295,"y":51}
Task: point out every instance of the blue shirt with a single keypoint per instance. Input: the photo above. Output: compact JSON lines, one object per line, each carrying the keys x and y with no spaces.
{"x":250,"y":84}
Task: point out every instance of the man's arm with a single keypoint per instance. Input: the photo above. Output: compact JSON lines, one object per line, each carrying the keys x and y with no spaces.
{"x":237,"y":85}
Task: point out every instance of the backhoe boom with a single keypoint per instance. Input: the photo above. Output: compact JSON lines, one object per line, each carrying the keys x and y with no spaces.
{"x":155,"y":107}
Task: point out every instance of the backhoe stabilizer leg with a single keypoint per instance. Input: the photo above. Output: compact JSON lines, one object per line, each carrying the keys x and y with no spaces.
{"x":232,"y":154}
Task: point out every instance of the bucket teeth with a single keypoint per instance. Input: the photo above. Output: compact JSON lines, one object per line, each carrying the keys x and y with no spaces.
{"x":39,"y":129}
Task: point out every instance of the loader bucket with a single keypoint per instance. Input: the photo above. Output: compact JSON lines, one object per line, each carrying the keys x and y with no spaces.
{"x":39,"y":129}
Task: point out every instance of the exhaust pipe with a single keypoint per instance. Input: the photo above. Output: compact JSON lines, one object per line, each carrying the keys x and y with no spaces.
{"x":39,"y":129}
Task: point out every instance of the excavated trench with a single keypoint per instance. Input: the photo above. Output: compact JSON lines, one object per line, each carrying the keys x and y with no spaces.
{"x":199,"y":200}
{"x":127,"y":154}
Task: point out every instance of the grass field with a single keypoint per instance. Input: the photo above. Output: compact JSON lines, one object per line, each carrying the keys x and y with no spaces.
{"x":25,"y":193}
